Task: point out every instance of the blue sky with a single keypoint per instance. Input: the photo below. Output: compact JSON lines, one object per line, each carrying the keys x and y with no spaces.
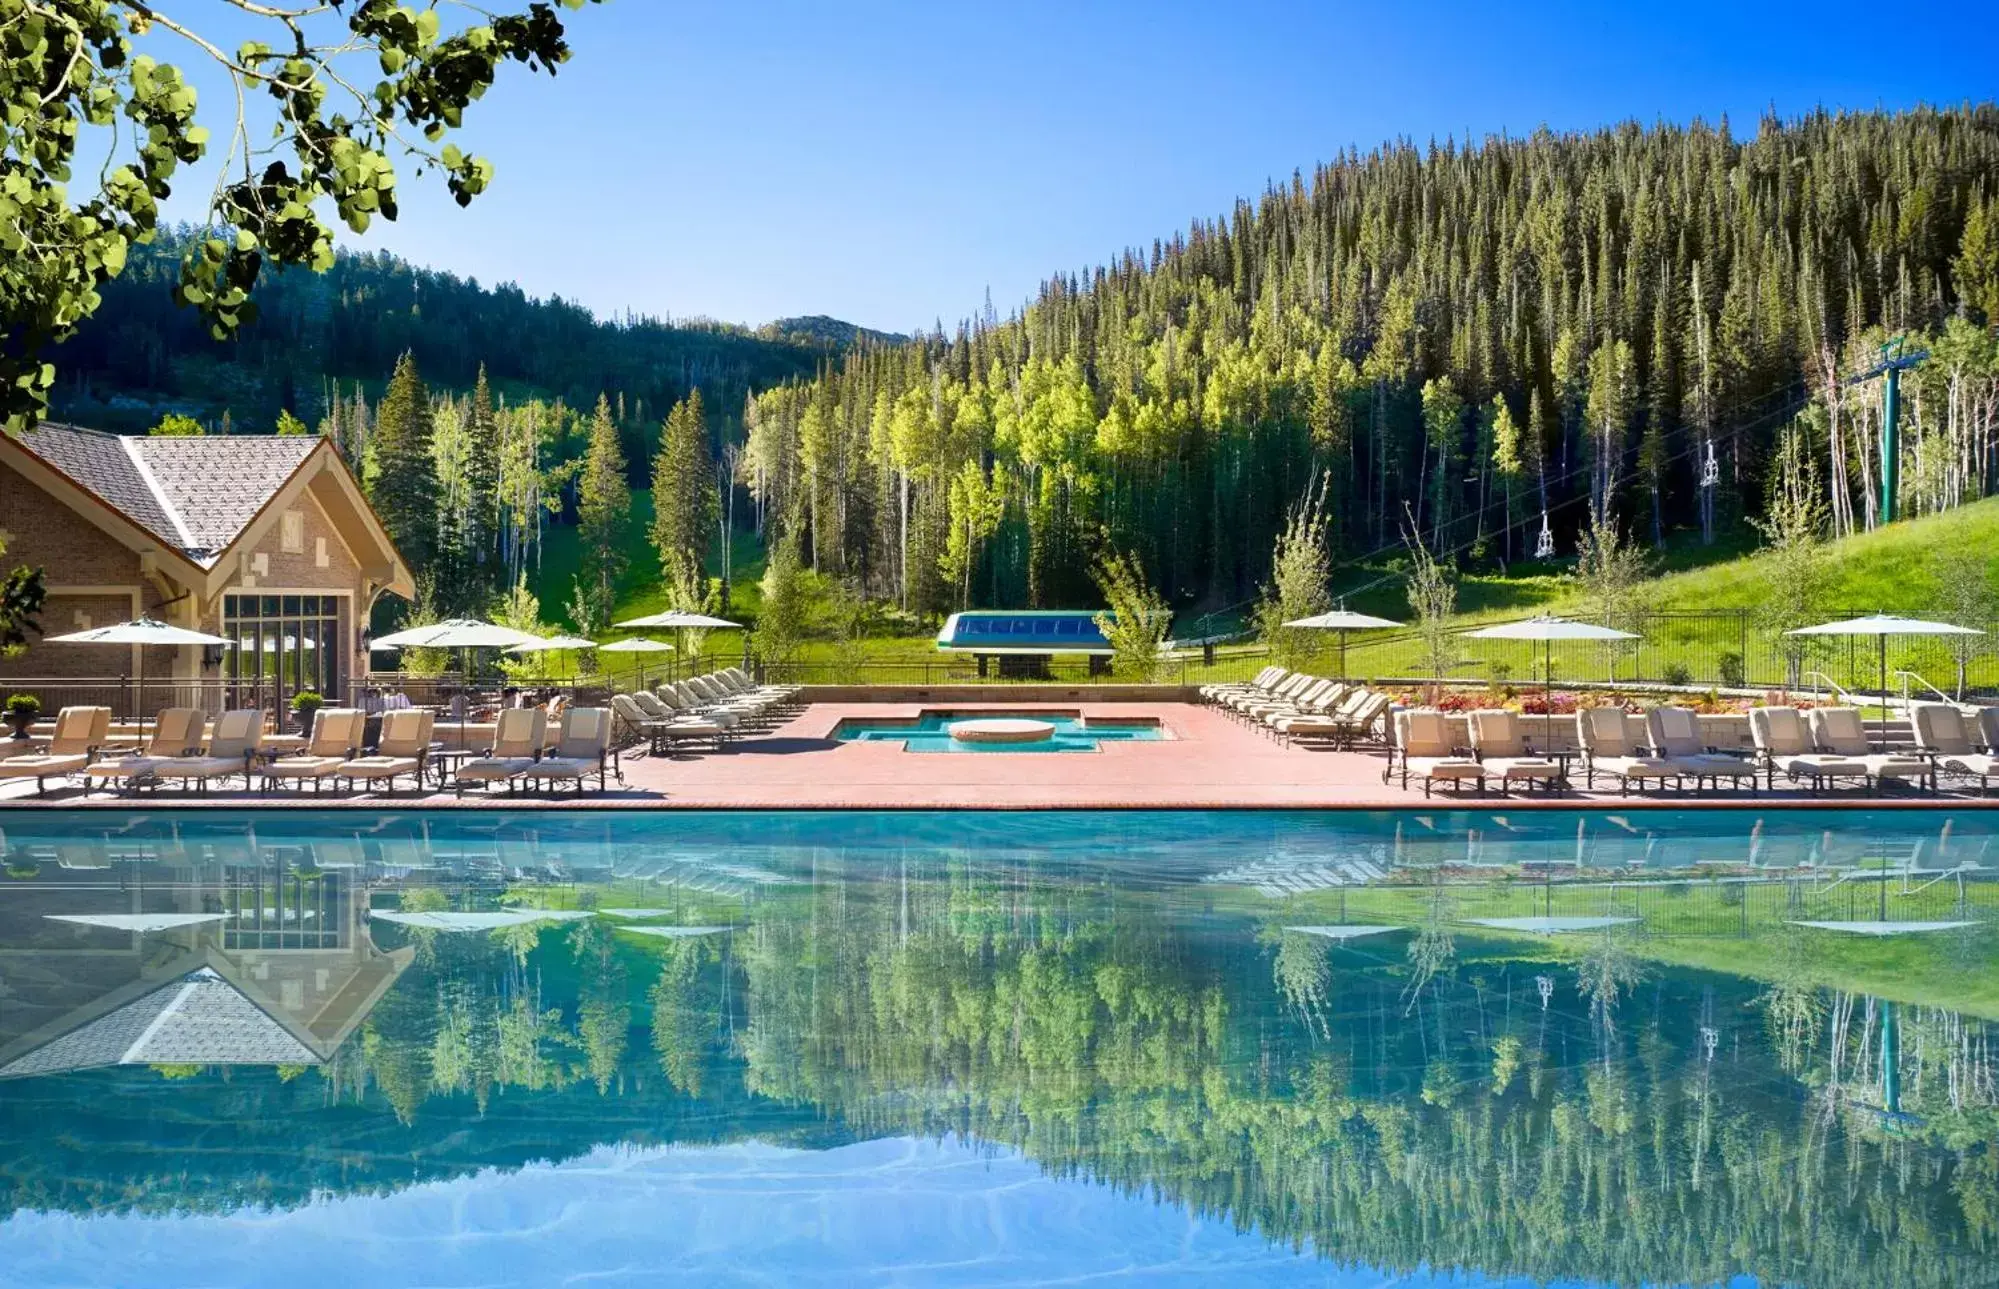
{"x":891,"y":1212}
{"x":888,"y":163}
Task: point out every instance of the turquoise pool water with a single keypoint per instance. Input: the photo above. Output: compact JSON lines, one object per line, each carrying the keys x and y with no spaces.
{"x":932,"y":733}
{"x":927,"y":1048}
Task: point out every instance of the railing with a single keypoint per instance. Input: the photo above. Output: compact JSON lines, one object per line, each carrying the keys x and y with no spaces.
{"x":131,"y":700}
{"x":1905,"y":676}
{"x":1818,"y":678}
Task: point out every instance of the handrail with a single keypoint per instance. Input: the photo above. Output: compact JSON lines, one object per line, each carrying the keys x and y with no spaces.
{"x":1905,"y":676}
{"x":1830,"y":683}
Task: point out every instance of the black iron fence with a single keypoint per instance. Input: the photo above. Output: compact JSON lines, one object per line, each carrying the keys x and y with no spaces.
{"x":132,"y":700}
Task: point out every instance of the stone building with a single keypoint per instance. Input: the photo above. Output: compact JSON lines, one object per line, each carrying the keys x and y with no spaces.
{"x":265,"y":540}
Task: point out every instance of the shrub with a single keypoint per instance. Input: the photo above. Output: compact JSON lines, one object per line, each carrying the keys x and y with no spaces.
{"x":24,"y":705}
{"x":1677,"y":674}
{"x":1729,"y":668}
{"x":307,"y":701}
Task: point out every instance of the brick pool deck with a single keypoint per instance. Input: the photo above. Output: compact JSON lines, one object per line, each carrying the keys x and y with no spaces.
{"x":1208,"y":761}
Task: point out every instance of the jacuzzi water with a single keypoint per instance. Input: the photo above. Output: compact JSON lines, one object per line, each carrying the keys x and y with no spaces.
{"x":932,"y":732}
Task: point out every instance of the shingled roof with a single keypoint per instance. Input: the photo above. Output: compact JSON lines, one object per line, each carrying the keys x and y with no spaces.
{"x":198,"y":1019}
{"x":195,"y":494}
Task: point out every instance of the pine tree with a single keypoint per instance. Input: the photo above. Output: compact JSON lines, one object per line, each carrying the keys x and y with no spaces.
{"x":403,"y":489}
{"x":482,"y":487}
{"x":683,"y":488}
{"x":604,"y":510}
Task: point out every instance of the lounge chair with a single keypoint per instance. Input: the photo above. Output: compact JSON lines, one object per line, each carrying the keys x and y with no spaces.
{"x":1783,"y":743}
{"x":1327,"y":702}
{"x":1330,"y":722}
{"x":1840,"y":732}
{"x":1419,"y":745}
{"x":741,"y":682}
{"x":1944,"y":736}
{"x":1361,"y":719}
{"x":1317,"y":699}
{"x":336,"y":740}
{"x":79,"y":732}
{"x":1988,"y":728}
{"x":753,"y":707}
{"x":402,"y":748}
{"x":231,"y":750}
{"x":1676,"y":737}
{"x":1422,"y":748}
{"x":683,"y":722}
{"x":177,"y":732}
{"x":1500,"y":744}
{"x":683,"y":699}
{"x":1264,"y":679}
{"x":517,"y":740}
{"x":661,"y":726}
{"x":585,"y":750}
{"x":1608,"y":748}
{"x":1289,"y":691}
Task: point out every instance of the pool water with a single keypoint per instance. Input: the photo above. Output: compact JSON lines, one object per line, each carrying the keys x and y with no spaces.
{"x":998,"y":1048}
{"x":932,"y":732}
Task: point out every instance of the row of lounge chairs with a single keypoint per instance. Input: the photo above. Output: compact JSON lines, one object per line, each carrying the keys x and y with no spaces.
{"x":709,"y":709}
{"x":528,"y":748}
{"x":1818,"y":749}
{"x":1302,"y":708}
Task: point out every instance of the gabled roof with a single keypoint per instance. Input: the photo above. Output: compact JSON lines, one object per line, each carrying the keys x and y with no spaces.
{"x":195,"y":494}
{"x":196,"y":1019}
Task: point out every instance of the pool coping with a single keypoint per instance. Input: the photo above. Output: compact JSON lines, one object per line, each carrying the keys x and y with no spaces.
{"x":1346,"y":806}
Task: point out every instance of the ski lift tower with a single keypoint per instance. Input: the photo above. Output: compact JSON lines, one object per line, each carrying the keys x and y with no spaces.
{"x":1893,"y":363}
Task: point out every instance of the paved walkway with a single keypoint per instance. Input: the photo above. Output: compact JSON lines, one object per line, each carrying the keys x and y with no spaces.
{"x":1208,"y":761}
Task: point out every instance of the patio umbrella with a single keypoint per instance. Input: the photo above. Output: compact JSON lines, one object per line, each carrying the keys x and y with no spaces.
{"x":681,"y":620}
{"x":462,"y":634}
{"x":1881,"y":626}
{"x":141,"y":631}
{"x":1342,"y":620}
{"x":1547,"y":630}
{"x":554,"y":644}
{"x":637,"y":644}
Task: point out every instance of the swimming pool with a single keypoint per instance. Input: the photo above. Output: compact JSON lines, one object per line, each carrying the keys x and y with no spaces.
{"x":844,"y":1048}
{"x":1065,"y":732}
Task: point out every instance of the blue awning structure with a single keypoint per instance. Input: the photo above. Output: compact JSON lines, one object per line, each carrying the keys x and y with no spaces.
{"x":1024,"y":632}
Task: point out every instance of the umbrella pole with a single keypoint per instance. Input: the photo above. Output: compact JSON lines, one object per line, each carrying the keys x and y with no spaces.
{"x":1884,"y":676}
{"x":1343,"y":654}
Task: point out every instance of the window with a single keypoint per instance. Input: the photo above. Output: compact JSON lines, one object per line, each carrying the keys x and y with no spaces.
{"x":283,"y":644}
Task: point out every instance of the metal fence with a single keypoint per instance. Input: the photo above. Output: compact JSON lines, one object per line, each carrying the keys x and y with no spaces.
{"x":132,"y":700}
{"x":1724,"y":648}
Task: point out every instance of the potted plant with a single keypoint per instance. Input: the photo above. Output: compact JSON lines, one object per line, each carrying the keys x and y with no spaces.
{"x":305,"y":704}
{"x":22,"y":711}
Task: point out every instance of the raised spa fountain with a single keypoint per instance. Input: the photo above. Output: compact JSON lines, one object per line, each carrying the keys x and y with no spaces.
{"x":1003,"y":729}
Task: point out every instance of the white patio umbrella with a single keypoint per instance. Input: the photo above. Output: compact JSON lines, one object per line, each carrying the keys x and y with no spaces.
{"x":1342,"y":620}
{"x":457,"y":633}
{"x":1547,"y":630}
{"x":554,"y":644}
{"x":141,"y":631}
{"x":462,"y":634}
{"x":637,"y":644}
{"x":679,"y":619}
{"x":1881,"y":626}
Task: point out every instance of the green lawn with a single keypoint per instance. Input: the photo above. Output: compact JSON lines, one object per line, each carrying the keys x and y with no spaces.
{"x":1891,"y":569}
{"x":1695,"y":925}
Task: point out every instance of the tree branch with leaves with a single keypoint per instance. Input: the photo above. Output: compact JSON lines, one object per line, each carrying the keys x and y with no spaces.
{"x":349,"y":86}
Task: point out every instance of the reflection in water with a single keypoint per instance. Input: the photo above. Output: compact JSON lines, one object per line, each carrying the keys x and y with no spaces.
{"x":1304,"y":1027}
